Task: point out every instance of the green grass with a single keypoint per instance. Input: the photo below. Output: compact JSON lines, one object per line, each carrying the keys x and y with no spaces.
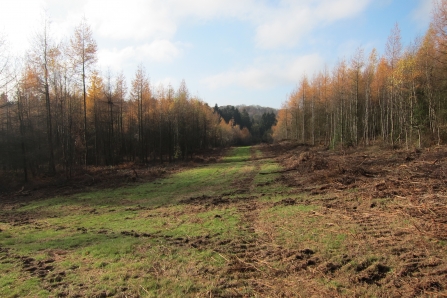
{"x":209,"y":180}
{"x":92,"y":234}
{"x":230,"y":228}
{"x":85,"y":231}
{"x":238,"y":154}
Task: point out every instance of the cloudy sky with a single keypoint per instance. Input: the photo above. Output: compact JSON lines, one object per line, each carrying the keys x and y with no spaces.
{"x":228,"y":51}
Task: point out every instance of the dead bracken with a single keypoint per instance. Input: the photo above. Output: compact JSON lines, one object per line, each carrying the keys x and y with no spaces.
{"x":366,"y":222}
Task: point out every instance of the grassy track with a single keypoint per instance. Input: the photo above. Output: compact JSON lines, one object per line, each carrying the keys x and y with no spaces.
{"x":131,"y":241}
{"x":235,"y":228}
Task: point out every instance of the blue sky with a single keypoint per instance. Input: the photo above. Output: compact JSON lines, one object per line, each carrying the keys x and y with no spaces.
{"x":228,"y":51}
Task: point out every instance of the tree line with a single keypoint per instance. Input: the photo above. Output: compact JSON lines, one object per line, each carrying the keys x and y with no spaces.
{"x":398,"y":98}
{"x":257,"y":120}
{"x":58,"y":113}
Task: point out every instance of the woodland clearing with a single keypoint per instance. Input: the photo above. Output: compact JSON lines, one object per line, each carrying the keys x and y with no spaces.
{"x":282,"y":220}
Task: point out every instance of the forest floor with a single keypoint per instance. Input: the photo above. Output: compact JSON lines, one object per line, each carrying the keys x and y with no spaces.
{"x":283,"y":220}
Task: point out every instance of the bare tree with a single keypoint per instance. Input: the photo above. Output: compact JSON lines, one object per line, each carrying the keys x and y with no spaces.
{"x":41,"y":56}
{"x":6,"y":71}
{"x":83,"y":55}
{"x":393,"y":52}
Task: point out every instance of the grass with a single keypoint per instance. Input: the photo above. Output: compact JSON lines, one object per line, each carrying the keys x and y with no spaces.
{"x":209,"y":179}
{"x":230,"y":228}
{"x":85,"y":233}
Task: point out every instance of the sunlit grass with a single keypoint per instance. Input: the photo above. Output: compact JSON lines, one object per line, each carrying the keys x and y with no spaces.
{"x":238,"y":154}
{"x":210,"y":179}
{"x":85,"y":231}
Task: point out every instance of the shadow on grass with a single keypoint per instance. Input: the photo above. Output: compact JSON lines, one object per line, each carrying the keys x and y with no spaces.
{"x":210,"y":179}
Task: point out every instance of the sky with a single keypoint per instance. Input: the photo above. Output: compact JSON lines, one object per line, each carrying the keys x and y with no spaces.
{"x":229,"y":52}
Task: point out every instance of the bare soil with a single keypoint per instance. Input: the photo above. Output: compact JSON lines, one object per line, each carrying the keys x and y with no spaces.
{"x":391,"y":204}
{"x":372,"y":189}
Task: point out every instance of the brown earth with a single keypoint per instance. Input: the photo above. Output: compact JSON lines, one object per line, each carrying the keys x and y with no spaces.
{"x":391,"y":204}
{"x":371,"y":189}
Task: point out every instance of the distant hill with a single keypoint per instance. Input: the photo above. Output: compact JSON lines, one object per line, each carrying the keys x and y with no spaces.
{"x":255,"y":111}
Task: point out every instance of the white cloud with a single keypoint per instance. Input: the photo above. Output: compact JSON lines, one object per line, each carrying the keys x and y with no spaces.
{"x":206,"y":9}
{"x":422,"y":14}
{"x":145,"y":30}
{"x":277,"y":25}
{"x":266,"y":75}
{"x":251,"y":77}
{"x":333,"y":10}
{"x":282,"y":24}
{"x":132,"y":19}
{"x":15,"y":19}
{"x":114,"y":58}
{"x":157,"y":51}
{"x":308,"y":64}
{"x":290,"y":22}
{"x":286,"y":28}
{"x":159,"y":19}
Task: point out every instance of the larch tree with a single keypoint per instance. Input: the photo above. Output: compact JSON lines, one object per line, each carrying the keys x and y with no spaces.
{"x":429,"y":65}
{"x":439,"y":30}
{"x":109,"y":100}
{"x":340,"y":93}
{"x":6,"y":71}
{"x":182,"y":115}
{"x":439,"y":25}
{"x":141,"y":93}
{"x":41,"y":55}
{"x":95,"y":94}
{"x":83,"y":55}
{"x":390,"y":97}
{"x":357,"y":64}
{"x":119,"y":95}
{"x":303,"y":103}
{"x":369,"y":73}
{"x":393,"y":52}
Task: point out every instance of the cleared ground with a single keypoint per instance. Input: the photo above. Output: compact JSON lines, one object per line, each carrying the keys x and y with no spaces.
{"x":280,"y":220}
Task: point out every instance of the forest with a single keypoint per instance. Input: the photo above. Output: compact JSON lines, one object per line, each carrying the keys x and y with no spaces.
{"x":58,"y":113}
{"x":258,"y":120}
{"x":398,"y":98}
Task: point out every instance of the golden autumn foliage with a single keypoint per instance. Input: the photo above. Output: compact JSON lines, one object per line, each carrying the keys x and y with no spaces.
{"x":63,"y":113}
{"x":95,"y":94}
{"x":397,"y":98}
